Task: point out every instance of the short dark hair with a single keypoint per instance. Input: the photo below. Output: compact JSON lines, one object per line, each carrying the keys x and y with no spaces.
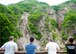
{"x":11,"y":37}
{"x":31,"y":39}
{"x":71,"y":40}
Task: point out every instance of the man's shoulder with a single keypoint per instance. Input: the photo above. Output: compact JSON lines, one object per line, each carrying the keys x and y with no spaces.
{"x":15,"y":43}
{"x":70,"y":45}
{"x":27,"y":44}
{"x":55,"y":43}
{"x":34,"y":45}
{"x":12,"y":43}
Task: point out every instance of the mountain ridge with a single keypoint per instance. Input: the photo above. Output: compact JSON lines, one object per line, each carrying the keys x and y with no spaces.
{"x":43,"y":21}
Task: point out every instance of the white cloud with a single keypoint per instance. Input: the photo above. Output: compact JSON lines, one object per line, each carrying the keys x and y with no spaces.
{"x":6,"y":2}
{"x":53,"y":2}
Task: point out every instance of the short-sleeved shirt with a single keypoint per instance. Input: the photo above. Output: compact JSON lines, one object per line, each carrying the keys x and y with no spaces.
{"x":30,"y":48}
{"x":52,"y":47}
{"x":71,"y":48}
{"x":9,"y":47}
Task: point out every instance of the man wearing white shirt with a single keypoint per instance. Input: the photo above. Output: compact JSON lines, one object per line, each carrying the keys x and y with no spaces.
{"x":52,"y":47}
{"x":10,"y":47}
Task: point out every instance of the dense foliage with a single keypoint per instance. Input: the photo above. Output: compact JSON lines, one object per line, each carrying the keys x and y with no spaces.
{"x":69,"y":23}
{"x":34,"y":17}
{"x":74,"y":1}
{"x":36,"y":10}
{"x":56,"y":7}
{"x":63,"y":5}
{"x":8,"y":24}
{"x":51,"y":24}
{"x":33,"y":21}
{"x":10,"y":18}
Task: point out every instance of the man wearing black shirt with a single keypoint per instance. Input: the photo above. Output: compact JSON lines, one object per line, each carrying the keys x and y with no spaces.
{"x":71,"y":48}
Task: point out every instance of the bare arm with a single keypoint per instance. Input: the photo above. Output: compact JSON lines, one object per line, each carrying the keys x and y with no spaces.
{"x":57,"y":47}
{"x":46,"y":48}
{"x":16,"y":48}
{"x":1,"y":48}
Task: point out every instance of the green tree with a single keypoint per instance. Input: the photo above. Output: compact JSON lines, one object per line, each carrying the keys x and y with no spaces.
{"x":69,"y":23}
{"x":73,"y":1}
{"x":8,"y":24}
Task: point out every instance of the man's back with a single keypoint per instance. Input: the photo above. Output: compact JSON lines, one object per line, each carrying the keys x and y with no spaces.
{"x":9,"y":47}
{"x":52,"y":47}
{"x":71,"y":48}
{"x":30,"y":48}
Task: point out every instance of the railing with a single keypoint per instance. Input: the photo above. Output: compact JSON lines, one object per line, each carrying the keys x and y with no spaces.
{"x":40,"y":52}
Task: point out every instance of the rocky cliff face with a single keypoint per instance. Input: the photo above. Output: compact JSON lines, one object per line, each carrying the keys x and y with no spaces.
{"x":58,"y":16}
{"x":25,"y":33}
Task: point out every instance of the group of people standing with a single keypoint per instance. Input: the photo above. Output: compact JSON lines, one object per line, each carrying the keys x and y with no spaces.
{"x":52,"y":47}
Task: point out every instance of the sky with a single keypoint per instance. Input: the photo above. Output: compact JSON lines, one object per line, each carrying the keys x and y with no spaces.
{"x":6,"y":2}
{"x":53,"y":2}
{"x":50,"y":2}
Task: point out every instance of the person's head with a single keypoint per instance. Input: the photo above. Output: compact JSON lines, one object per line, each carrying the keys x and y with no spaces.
{"x":71,"y":40}
{"x":11,"y":38}
{"x":49,"y":39}
{"x":31,"y":39}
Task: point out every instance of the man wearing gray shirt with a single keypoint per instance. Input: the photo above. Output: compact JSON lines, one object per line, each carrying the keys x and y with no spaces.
{"x":10,"y":47}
